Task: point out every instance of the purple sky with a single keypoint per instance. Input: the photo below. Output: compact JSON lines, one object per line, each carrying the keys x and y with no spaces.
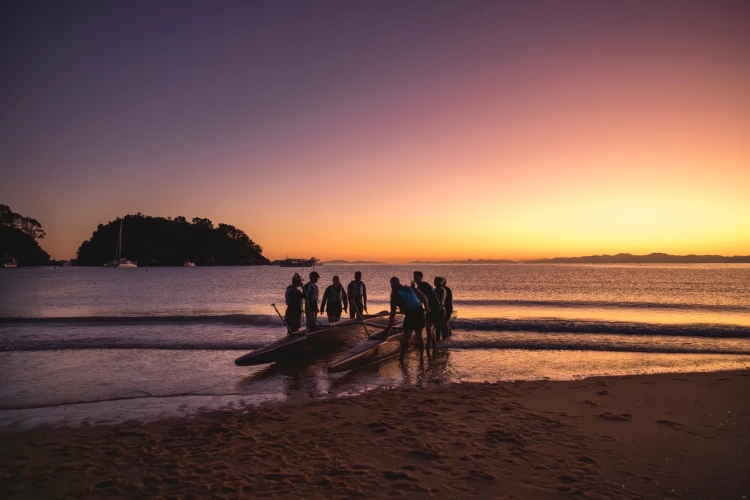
{"x":229,"y":110}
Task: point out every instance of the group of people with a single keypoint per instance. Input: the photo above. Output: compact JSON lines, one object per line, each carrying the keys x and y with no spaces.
{"x":424,"y":307}
{"x":302,"y":299}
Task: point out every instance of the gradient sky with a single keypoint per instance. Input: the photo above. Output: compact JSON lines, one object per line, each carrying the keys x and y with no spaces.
{"x":385,"y":130}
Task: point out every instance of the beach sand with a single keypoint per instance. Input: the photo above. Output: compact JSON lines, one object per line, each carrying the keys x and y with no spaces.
{"x":653,"y":436}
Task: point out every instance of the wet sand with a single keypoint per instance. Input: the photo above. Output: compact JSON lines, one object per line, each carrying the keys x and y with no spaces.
{"x":652,"y":436}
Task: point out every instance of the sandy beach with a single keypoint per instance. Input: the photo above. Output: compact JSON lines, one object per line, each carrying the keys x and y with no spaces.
{"x":654,"y":436}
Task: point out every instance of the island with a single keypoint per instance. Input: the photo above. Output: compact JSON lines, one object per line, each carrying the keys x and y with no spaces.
{"x":19,"y":245}
{"x":159,"y":241}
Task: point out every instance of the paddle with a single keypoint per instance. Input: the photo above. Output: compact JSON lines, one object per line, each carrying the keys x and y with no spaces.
{"x":289,"y":330}
{"x":354,"y":305}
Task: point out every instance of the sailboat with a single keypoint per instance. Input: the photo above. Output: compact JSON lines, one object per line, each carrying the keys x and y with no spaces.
{"x":120,"y":261}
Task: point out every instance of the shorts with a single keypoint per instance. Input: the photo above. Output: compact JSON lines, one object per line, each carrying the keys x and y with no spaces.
{"x":414,"y":319}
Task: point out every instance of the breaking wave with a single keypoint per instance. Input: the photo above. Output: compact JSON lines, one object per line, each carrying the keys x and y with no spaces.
{"x":233,"y":319}
{"x":617,"y":327}
{"x":582,"y":304}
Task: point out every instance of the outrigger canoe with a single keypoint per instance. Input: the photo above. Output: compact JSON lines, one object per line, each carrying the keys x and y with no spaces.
{"x":292,"y":347}
{"x":375,"y":348}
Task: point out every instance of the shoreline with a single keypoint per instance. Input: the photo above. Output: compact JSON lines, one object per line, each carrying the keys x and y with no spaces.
{"x":683,"y":435}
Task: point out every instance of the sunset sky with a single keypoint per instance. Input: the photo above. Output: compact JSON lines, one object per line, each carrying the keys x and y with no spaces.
{"x":385,"y":130}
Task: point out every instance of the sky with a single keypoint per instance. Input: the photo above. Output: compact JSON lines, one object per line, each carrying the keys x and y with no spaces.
{"x":385,"y":130}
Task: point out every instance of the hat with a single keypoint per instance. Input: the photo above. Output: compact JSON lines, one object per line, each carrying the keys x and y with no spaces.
{"x":296,"y":277}
{"x":314,"y":274}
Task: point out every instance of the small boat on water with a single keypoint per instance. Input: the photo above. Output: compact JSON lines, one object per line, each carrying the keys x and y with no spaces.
{"x":375,"y":348}
{"x":10,"y":265}
{"x":188,"y":264}
{"x":318,"y":337}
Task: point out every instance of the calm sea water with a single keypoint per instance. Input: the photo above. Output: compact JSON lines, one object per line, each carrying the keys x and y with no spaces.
{"x":106,"y":345}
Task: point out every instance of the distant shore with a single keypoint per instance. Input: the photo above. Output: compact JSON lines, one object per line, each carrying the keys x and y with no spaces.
{"x":620,"y":258}
{"x":654,"y":436}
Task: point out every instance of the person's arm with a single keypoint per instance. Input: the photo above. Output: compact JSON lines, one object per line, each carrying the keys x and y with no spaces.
{"x":391,"y":319}
{"x":423,"y":299}
{"x":364,"y":296}
{"x":323,"y":302}
{"x":346,"y":301}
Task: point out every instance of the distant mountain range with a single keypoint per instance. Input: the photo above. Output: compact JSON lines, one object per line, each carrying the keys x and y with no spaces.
{"x":620,"y":258}
{"x":467,"y":261}
{"x":352,"y":262}
{"x":653,"y":258}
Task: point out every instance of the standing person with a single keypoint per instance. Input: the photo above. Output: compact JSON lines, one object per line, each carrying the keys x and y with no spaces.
{"x":312,"y":293}
{"x":440,"y":294}
{"x":409,"y":301}
{"x":428,"y":292}
{"x":334,"y":296}
{"x":358,"y":295}
{"x":295,"y":303}
{"x":448,"y":308}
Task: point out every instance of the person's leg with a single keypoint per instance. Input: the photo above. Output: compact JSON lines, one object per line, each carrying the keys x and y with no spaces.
{"x":404,"y":346}
{"x":420,"y":344}
{"x":430,"y":334}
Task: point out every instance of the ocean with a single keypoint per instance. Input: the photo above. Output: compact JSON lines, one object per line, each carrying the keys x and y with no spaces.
{"x":100,"y":345}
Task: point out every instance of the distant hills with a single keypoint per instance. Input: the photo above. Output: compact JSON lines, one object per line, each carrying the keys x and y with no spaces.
{"x":620,"y":258}
{"x":352,"y":262}
{"x":467,"y":261}
{"x":652,"y":258}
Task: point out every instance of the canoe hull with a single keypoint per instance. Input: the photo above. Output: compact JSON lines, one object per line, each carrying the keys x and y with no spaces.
{"x":293,"y":347}
{"x":377,"y":347}
{"x":373,"y":349}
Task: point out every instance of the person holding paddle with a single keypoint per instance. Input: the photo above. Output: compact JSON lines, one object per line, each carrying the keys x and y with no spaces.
{"x":295,"y":305}
{"x":409,"y":301}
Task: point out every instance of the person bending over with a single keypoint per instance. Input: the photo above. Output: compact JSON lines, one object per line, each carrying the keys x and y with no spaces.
{"x":409,"y":301}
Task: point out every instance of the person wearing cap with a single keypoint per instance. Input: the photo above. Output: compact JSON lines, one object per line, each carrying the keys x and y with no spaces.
{"x":409,"y":301}
{"x":312,"y":293}
{"x":335,"y":297}
{"x":295,"y":304}
{"x":357,"y":293}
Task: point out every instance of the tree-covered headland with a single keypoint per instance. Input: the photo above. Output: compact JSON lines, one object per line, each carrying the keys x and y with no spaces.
{"x":18,"y":239}
{"x":156,"y":241}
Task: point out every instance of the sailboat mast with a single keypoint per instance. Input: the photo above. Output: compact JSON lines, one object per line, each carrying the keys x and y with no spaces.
{"x":119,"y":243}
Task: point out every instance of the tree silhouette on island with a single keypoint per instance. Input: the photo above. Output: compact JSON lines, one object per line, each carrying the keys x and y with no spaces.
{"x":156,"y":241}
{"x":18,"y":239}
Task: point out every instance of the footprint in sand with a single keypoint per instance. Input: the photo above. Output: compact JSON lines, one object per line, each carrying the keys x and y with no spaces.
{"x":624,"y":417}
{"x":669,"y":423}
